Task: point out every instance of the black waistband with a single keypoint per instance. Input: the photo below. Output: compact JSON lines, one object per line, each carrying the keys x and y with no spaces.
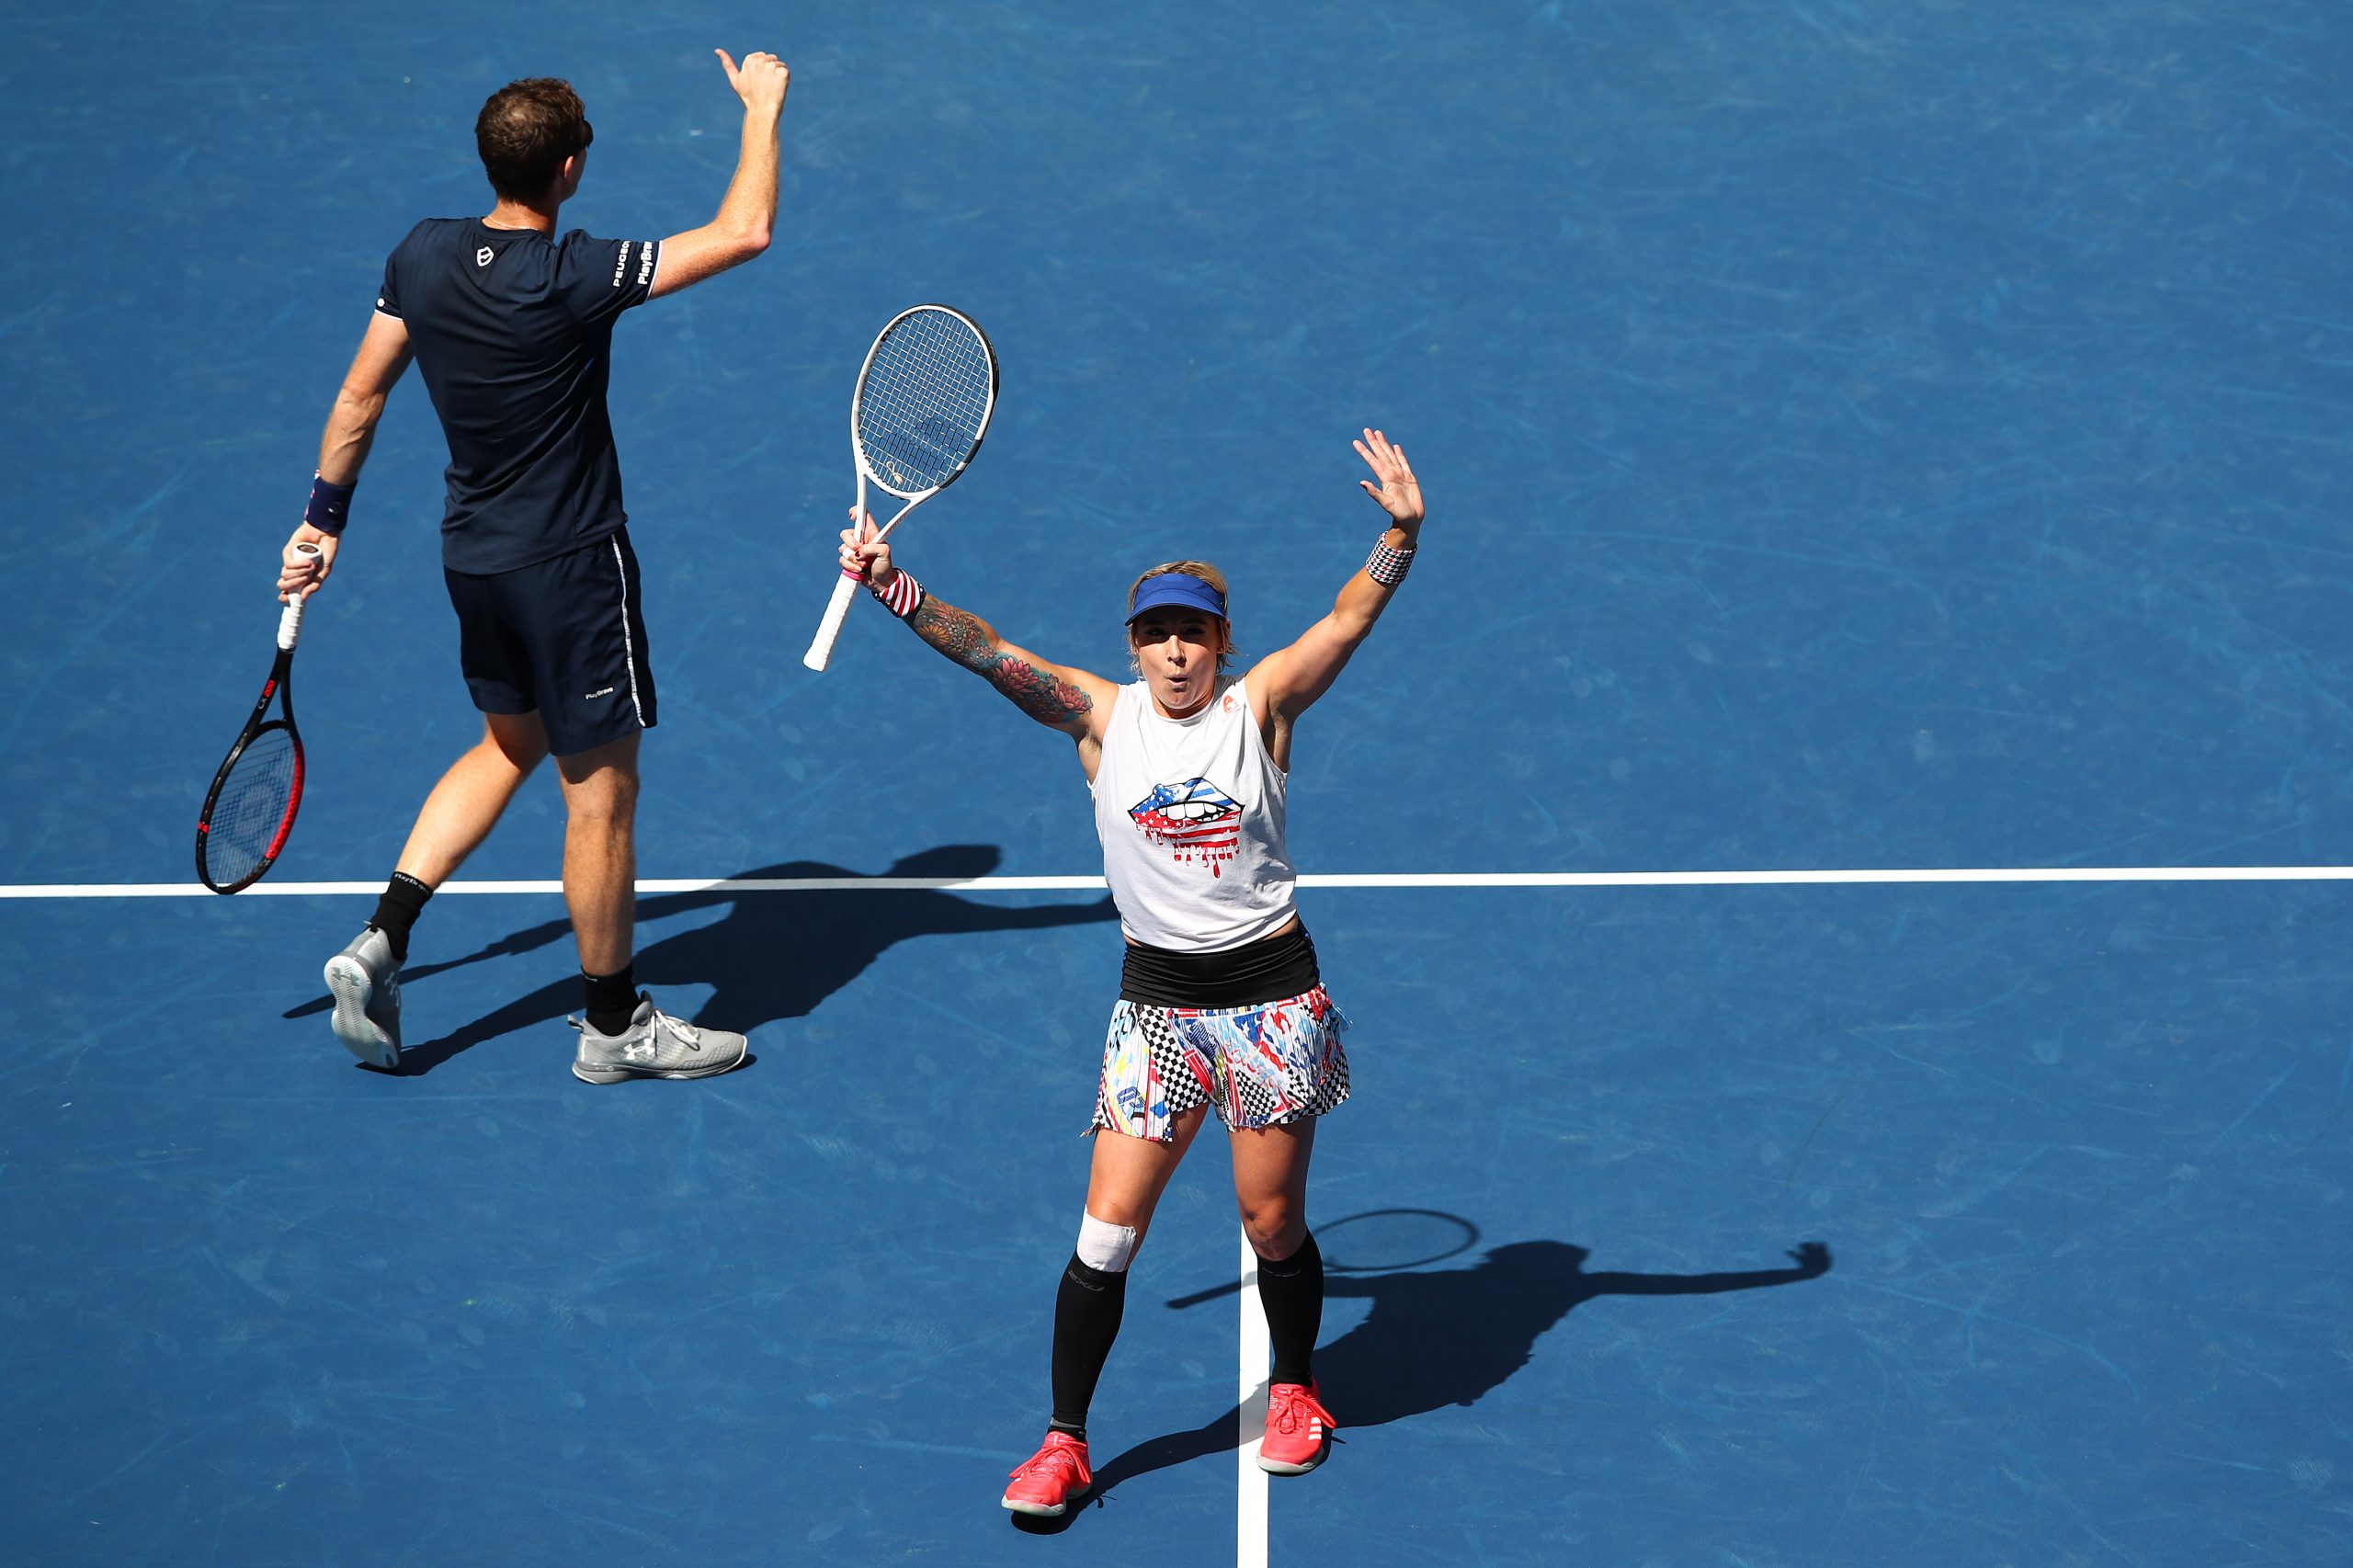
{"x":1269,"y":970}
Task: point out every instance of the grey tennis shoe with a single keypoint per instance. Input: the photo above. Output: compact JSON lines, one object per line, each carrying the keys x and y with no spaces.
{"x":655,"y":1045}
{"x":366,"y":980}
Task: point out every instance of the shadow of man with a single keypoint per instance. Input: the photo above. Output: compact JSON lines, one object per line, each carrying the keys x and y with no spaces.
{"x":1441,"y":1338}
{"x":775,"y":954}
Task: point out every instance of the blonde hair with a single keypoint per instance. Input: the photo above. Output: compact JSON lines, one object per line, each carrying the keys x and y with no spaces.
{"x":1207,"y":574}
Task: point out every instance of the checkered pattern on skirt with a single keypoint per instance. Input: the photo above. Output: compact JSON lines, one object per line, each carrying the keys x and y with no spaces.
{"x":1260,"y":1065}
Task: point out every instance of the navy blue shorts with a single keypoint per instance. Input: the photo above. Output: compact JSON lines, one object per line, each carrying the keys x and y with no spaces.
{"x":563,"y":639}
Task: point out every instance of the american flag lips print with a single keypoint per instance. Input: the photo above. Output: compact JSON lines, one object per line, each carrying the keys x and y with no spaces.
{"x":1195,"y":819}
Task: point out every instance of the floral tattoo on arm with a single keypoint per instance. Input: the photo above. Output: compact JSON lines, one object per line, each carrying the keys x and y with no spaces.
{"x":972,"y":642}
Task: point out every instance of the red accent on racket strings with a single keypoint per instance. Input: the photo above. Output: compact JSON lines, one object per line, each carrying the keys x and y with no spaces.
{"x":293,"y":805}
{"x":254,"y":812}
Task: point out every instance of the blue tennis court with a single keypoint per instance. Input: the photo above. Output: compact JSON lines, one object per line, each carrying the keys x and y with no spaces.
{"x":1869,"y":448}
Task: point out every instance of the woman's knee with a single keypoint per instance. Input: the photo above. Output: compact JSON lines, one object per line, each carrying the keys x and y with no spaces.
{"x":1106,"y":1244}
{"x":1276,"y":1225}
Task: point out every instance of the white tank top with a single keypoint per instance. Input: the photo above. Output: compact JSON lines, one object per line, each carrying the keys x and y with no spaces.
{"x":1190,"y":814}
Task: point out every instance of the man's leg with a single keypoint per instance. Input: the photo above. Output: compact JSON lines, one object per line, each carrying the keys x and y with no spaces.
{"x":600,"y":853}
{"x":458,"y":815}
{"x":468,"y":801}
{"x":626,"y":1036}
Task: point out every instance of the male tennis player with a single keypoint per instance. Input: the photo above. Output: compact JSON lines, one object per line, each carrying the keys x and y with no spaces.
{"x":512,"y":328}
{"x":1221,"y":1001}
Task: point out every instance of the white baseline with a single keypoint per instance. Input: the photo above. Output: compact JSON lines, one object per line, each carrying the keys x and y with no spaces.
{"x":1858,"y":878}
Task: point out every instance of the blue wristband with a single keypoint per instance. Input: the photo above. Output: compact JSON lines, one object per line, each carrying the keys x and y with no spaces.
{"x":330,"y":505}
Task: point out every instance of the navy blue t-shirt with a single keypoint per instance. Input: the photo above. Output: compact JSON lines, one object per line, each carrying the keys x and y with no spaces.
{"x":514,"y":333}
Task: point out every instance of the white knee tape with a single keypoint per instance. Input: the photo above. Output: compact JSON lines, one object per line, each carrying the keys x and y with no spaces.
{"x":1106,"y":1246}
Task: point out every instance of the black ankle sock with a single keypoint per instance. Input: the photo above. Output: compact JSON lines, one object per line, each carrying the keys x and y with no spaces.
{"x":1292,"y":1293}
{"x":613,"y":998}
{"x":1087,"y":1319}
{"x":397,"y":910}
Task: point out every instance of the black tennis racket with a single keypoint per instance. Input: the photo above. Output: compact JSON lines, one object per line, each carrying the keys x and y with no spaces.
{"x":922,"y":404}
{"x":250,"y":808}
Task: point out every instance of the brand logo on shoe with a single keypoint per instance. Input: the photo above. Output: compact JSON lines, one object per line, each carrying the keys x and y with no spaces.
{"x":639,"y":1051}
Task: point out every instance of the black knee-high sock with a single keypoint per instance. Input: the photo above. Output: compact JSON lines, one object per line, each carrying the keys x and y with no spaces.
{"x":611,"y":998}
{"x":1087,"y":1319}
{"x":1292,"y":1293}
{"x":403,"y":897}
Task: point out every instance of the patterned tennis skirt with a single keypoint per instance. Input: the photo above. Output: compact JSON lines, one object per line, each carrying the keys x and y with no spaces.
{"x":1260,"y":1065}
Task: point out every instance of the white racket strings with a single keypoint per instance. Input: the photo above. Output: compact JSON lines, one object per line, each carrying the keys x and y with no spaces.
{"x":924,"y":402}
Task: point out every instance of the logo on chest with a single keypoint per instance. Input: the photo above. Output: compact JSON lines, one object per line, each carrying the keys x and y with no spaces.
{"x":1199,"y":823}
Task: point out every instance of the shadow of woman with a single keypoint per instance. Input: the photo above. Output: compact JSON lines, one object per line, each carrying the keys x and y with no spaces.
{"x":774,"y":956}
{"x":1441,"y":1338}
{"x":1451,"y":1337}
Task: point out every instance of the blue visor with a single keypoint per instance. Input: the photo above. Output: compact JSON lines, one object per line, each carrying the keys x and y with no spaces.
{"x":1178,"y":588}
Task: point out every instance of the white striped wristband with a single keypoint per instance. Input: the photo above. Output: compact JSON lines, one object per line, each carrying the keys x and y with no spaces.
{"x":1386,"y":567}
{"x":901,"y":596}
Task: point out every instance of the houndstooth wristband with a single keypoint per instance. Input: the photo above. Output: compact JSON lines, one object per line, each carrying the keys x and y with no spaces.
{"x":1386,"y":567}
{"x":901,"y":598}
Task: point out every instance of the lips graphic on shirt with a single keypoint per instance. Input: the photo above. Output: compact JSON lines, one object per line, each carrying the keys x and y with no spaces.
{"x":1201,"y":823}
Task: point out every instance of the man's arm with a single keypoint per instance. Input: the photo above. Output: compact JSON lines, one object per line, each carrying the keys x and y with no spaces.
{"x":748,"y":212}
{"x":1071,"y":700}
{"x":1284,"y":683}
{"x":383,"y":357}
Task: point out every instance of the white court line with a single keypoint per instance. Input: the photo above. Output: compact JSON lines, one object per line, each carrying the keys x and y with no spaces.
{"x":1250,"y":1513}
{"x":1310,"y":880}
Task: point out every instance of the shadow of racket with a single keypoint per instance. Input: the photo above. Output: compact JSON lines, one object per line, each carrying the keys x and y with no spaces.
{"x":1379,"y":1241}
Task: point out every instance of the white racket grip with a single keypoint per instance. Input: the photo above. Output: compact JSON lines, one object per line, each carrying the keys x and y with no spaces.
{"x":290,"y":622}
{"x":829,"y":631}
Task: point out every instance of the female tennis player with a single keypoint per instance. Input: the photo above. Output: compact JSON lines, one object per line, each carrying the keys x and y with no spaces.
{"x":1220,"y":1005}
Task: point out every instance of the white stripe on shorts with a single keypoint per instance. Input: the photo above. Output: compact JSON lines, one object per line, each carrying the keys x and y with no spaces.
{"x":629,"y":644}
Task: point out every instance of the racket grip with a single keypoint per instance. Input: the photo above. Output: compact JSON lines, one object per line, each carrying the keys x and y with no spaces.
{"x":829,"y":631}
{"x":290,"y":622}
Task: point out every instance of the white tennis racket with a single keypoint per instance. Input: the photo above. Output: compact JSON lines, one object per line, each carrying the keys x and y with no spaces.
{"x":923,"y":402}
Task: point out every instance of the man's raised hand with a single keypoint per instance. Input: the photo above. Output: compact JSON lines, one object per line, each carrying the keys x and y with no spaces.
{"x":761,"y":81}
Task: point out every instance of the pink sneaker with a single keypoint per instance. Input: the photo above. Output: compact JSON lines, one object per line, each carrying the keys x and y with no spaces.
{"x":1047,"y":1481}
{"x":1299,"y":1430}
